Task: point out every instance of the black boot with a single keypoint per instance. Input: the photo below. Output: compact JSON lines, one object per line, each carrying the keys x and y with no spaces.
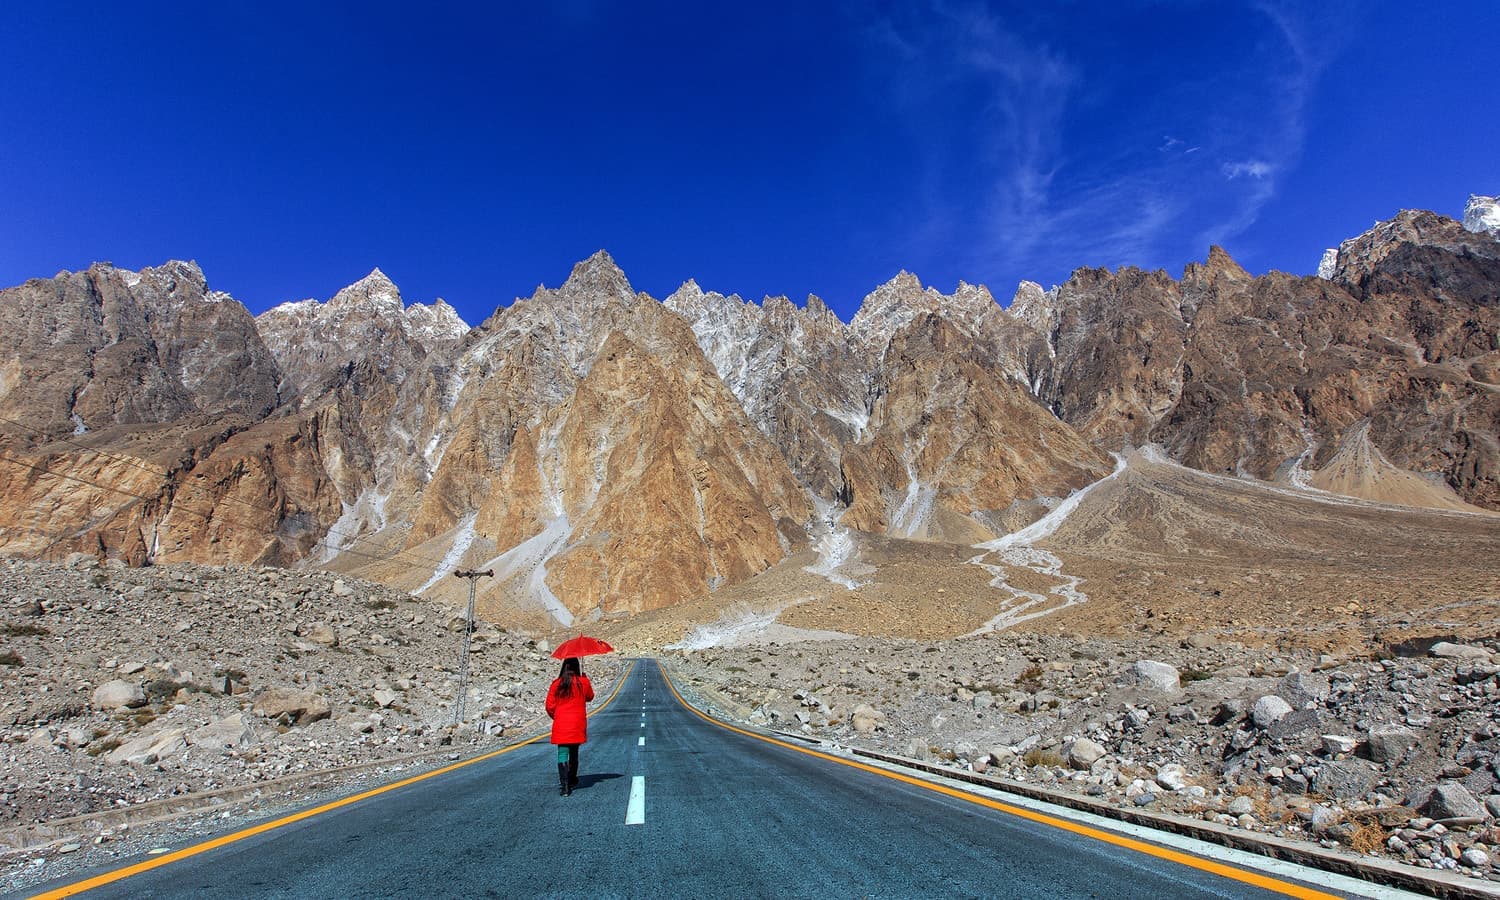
{"x":563,"y":788}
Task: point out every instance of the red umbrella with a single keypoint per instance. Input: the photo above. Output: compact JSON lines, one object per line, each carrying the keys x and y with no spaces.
{"x":583,"y":645}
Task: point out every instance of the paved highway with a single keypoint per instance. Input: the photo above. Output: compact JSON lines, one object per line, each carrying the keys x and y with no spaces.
{"x":673,"y":805}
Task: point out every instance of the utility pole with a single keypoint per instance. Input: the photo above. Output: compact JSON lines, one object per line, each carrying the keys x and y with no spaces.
{"x":463,"y":671}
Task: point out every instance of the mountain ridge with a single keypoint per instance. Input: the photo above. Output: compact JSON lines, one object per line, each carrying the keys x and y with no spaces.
{"x":765,"y":427}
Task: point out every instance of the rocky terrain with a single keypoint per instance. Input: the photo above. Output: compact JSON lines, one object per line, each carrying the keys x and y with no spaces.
{"x":1395,"y":753}
{"x":122,"y":686}
{"x":610,"y":454}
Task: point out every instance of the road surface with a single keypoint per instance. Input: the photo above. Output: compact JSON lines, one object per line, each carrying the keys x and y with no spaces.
{"x":673,"y":805}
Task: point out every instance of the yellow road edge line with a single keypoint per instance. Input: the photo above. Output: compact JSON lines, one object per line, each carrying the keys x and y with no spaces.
{"x":1119,"y":840}
{"x":176,"y":856}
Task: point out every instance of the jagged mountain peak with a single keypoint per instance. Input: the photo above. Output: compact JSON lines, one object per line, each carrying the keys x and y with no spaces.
{"x":168,"y":278}
{"x":375,"y":289}
{"x":599,"y":274}
{"x":1034,"y":306}
{"x":1219,"y":264}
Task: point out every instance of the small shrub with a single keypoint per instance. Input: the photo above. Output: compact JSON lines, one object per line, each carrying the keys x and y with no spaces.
{"x":1196,"y":675}
{"x":9,"y":658}
{"x":380,"y":603}
{"x":1030,"y":676}
{"x":25,"y":629}
{"x":99,"y":748}
{"x":734,"y":669}
{"x":163,"y":688}
{"x":1036,"y":756}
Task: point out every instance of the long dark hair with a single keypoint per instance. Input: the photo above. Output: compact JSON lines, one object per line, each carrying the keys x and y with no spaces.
{"x":565,"y":678}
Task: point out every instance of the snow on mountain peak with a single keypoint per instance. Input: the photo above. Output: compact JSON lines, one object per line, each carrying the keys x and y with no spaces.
{"x":1482,"y":215}
{"x":436,"y":324}
{"x":1329,"y":264}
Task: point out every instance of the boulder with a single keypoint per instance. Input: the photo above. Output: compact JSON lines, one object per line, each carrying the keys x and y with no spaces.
{"x":1447,"y":650}
{"x":290,"y":706}
{"x":865,"y":718}
{"x":1241,"y":806}
{"x":148,"y":748}
{"x":1154,"y":676}
{"x":1083,"y":753}
{"x":1297,"y":722}
{"x":1389,"y":743}
{"x":340,"y":589}
{"x":1338,"y":744}
{"x":1171,"y":777}
{"x":1323,"y":818}
{"x":383,"y":698}
{"x":1269,"y":710}
{"x":1445,"y":802}
{"x":322,"y":633}
{"x":1347,"y":780}
{"x":119,"y":694}
{"x":1303,"y":688}
{"x":228,"y":733}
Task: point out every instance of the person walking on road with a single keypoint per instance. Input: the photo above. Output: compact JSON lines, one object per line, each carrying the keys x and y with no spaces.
{"x":567,"y":701}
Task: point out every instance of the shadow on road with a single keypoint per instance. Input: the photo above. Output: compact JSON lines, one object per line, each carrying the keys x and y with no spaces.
{"x":592,"y":779}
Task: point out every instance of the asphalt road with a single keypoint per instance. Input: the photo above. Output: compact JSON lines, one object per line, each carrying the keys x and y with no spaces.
{"x":724,"y":814}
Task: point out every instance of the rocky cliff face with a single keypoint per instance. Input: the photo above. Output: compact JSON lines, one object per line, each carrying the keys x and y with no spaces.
{"x":606,"y":453}
{"x":793,"y":370}
{"x":87,"y":350}
{"x":1267,"y":376}
{"x":600,"y":457}
{"x":365,"y":322}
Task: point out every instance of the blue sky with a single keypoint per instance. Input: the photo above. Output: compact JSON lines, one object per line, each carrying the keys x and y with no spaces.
{"x":796,"y":148}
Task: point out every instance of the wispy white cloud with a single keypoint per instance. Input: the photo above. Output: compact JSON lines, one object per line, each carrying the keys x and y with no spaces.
{"x":1251,"y":168}
{"x":993,"y":105}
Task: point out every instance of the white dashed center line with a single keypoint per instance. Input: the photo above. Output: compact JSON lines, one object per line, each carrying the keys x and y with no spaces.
{"x":641,"y":742}
{"x":635,"y":812}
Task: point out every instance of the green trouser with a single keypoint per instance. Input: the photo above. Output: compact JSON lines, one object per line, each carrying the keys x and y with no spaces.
{"x":567,"y":764}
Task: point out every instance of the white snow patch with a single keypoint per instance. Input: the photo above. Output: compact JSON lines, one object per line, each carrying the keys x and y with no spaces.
{"x":913,"y":516}
{"x":366,"y":513}
{"x":1329,"y":263}
{"x":1015,"y":549}
{"x":743,"y":625}
{"x":78,"y":426}
{"x":463,"y":538}
{"x":835,"y":547}
{"x":432,"y":448}
{"x":1482,"y":215}
{"x":130,"y":278}
{"x":856,"y":419}
{"x":528,"y":560}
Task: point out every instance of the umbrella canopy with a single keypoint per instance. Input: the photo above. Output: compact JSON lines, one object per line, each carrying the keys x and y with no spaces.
{"x":583,"y":645}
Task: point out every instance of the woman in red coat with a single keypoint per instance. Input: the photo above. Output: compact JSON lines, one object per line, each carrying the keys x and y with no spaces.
{"x":566,"y":702}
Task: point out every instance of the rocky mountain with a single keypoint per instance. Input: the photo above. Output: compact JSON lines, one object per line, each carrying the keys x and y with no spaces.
{"x":88,"y":350}
{"x":1267,"y":376}
{"x":593,"y":458}
{"x":606,"y":453}
{"x":365,"y":322}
